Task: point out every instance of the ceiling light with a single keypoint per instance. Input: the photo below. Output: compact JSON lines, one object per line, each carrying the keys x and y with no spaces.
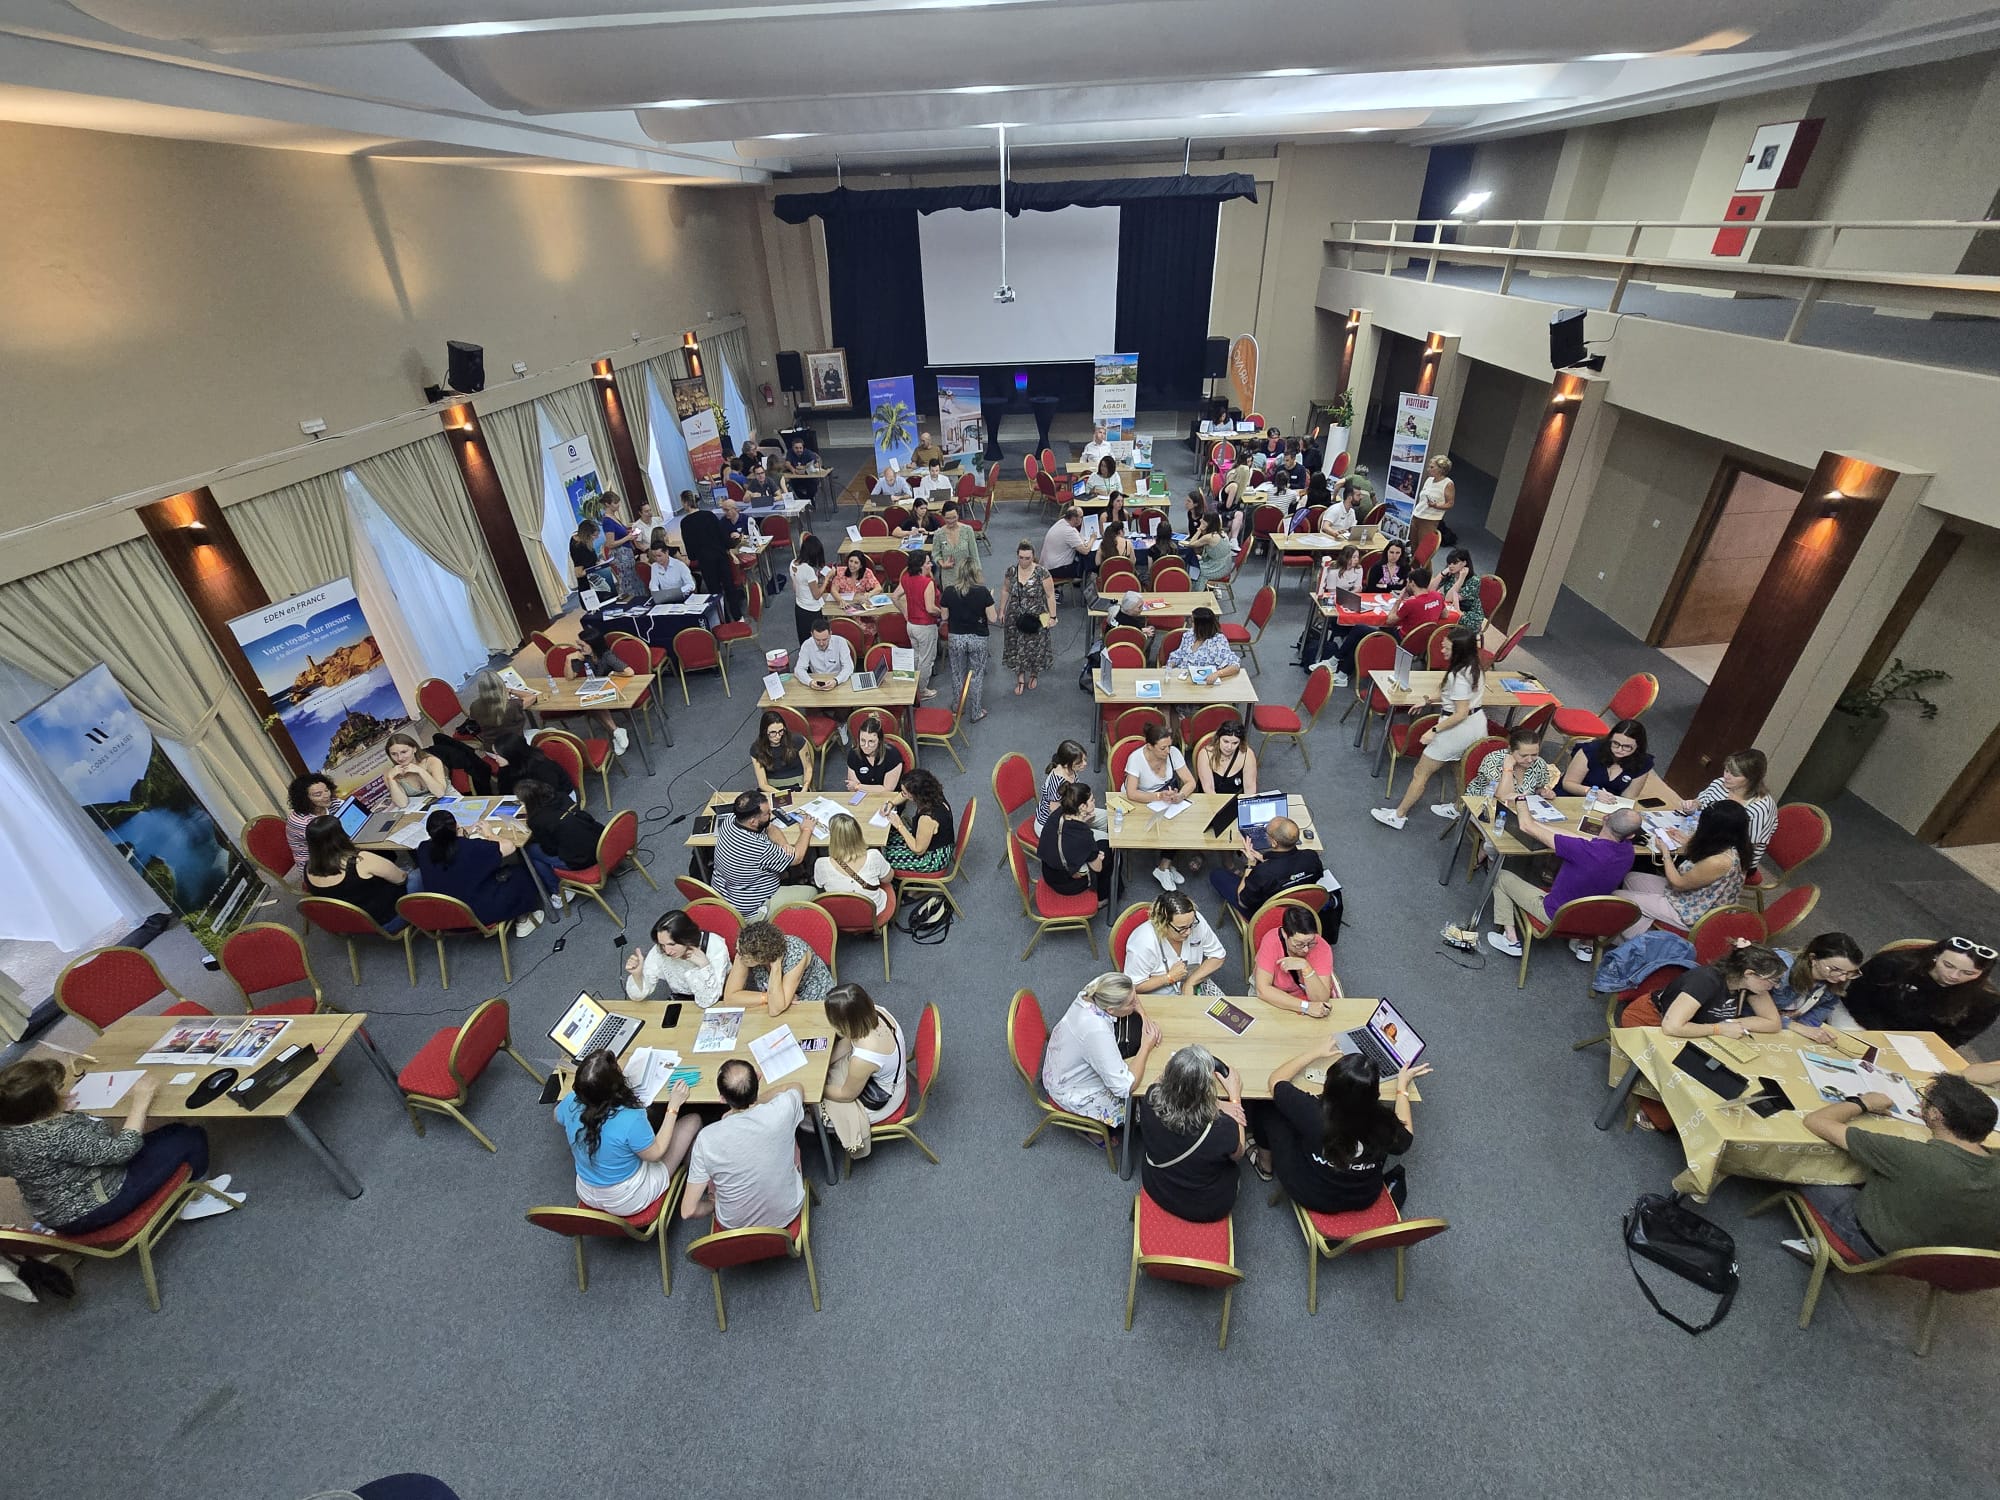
{"x":1362,"y":129}
{"x":791,"y":135}
{"x":1222,"y":114}
{"x":981,"y":88}
{"x":1288,"y":72}
{"x":1614,"y":57}
{"x":677,"y":104}
{"x":481,"y":28}
{"x":1470,"y":205}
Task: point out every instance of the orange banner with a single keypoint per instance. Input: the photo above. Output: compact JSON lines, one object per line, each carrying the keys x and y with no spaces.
{"x":1243,"y":373}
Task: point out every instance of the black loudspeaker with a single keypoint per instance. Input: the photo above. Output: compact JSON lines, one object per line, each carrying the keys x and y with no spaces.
{"x":1566,"y":338}
{"x":465,"y":370}
{"x":791,"y":371}
{"x":1215,"y":359}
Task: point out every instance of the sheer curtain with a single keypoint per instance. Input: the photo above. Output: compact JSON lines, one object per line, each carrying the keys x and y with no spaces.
{"x":575,"y":411}
{"x":520,"y":457}
{"x":639,"y":422}
{"x":421,"y":612}
{"x":558,"y":518}
{"x":669,"y":447}
{"x":728,"y":354}
{"x":733,"y":406}
{"x":419,"y":487}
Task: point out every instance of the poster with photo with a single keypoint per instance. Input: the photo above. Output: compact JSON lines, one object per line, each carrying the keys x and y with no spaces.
{"x":1114,"y":402}
{"x":576,"y":472}
{"x":961,"y":423}
{"x":892,"y":419}
{"x":316,"y":659}
{"x":826,"y":379}
{"x":108,"y":760}
{"x":700,"y":427}
{"x":1408,"y":445}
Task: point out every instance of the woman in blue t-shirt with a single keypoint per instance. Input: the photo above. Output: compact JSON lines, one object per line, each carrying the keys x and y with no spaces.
{"x":624,"y":1163}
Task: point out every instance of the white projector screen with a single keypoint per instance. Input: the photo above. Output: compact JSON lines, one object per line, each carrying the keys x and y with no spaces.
{"x":1063,"y":267}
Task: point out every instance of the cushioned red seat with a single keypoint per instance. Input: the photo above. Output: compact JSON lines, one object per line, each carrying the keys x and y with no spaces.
{"x":120,"y":1230}
{"x":588,"y":875}
{"x":1275,"y":718}
{"x":734,"y":630}
{"x":1162,"y":1233}
{"x":933,"y":720}
{"x":186,"y":1008}
{"x":1574,"y":722}
{"x":1231,"y":631}
{"x":819,"y":729}
{"x":1337,"y":1227}
{"x":644,"y":1218}
{"x":305,"y":1005}
{"x":1052,"y":903}
{"x":1026,"y":832}
{"x":429,"y":1072}
{"x":1840,"y":1246}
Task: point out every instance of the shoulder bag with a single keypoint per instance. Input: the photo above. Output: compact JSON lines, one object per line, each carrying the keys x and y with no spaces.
{"x":1668,"y":1233}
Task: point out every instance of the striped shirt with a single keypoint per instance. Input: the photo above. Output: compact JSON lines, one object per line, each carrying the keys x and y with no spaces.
{"x":1763,"y":813}
{"x":749,"y":866}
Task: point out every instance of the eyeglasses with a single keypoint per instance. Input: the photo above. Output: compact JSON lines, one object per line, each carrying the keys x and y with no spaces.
{"x":1181,"y":931}
{"x":1977,"y":950}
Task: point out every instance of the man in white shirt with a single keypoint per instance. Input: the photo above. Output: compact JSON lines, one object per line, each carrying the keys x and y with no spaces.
{"x":1065,"y":553}
{"x":892,"y":484}
{"x":667,"y":577}
{"x":745,"y":1167}
{"x":825,"y":660}
{"x":1097,"y":447}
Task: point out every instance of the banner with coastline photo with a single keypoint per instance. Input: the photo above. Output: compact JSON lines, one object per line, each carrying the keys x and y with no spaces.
{"x":701,"y":426}
{"x":1114,"y":402}
{"x":892,"y":417}
{"x":316,"y":659}
{"x":108,"y":759}
{"x":1408,"y":445}
{"x":576,"y":471}
{"x":961,"y":423}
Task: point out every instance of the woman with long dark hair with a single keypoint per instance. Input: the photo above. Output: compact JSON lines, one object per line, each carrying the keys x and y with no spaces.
{"x":624,"y":1161}
{"x":1392,"y":571}
{"x":1329,"y":1153}
{"x":1073,"y":859}
{"x":1618,"y":764}
{"x":1694,"y":880}
{"x":689,"y":962}
{"x":1460,"y":728}
{"x":482,"y":870}
{"x":311,"y":795}
{"x":336,"y":868}
{"x":1945,"y":987}
{"x":809,"y":580}
{"x":921,"y":830}
{"x":780,"y":757}
{"x":1816,"y":983}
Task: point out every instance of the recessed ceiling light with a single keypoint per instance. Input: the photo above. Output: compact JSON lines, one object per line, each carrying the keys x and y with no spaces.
{"x":1362,"y":129}
{"x":981,"y":88}
{"x":678,"y":103}
{"x":1288,"y":72}
{"x":1222,"y":114}
{"x":1614,"y":57}
{"x":791,"y":135}
{"x":480,"y":28}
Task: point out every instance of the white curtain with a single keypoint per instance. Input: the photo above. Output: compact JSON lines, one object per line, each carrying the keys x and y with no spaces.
{"x":558,"y":516}
{"x":637,"y":406}
{"x":520,"y":455}
{"x":733,"y":405}
{"x":670,"y":448}
{"x":61,"y":881}
{"x":421,"y":612}
{"x":727,"y":356}
{"x":418,"y":485}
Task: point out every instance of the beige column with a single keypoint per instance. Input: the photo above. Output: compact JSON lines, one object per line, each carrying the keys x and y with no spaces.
{"x":1573,"y":435}
{"x":1444,"y":376}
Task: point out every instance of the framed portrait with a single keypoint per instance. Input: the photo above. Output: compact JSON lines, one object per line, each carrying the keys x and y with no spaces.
{"x":826,"y":378}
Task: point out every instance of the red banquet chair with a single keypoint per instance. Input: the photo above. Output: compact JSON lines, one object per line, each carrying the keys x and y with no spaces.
{"x":1802,"y":832}
{"x":730,"y":633}
{"x":926,"y":1058}
{"x":1378,"y":1227}
{"x":712,"y":914}
{"x":263,"y":957}
{"x":347,"y":921}
{"x":140,"y":1231}
{"x":856,"y":915}
{"x":439,"y":703}
{"x":1376,"y":652}
{"x":1634,"y":696}
{"x":1789,"y":910}
{"x":1129,"y":921}
{"x":1027,"y":1040}
{"x":1718,"y":932}
{"x":108,"y":984}
{"x":649,"y":1224}
{"x":436,"y":915}
{"x":1169,"y":1248}
{"x":721,"y":1248}
{"x":264,"y":841}
{"x":697,"y":650}
{"x":1597,"y":919}
{"x":1276,"y":722}
{"x":615,"y":846}
{"x":439,"y":1079}
{"x":1016,"y":790}
{"x":814,"y":926}
{"x":1050,"y":911}
{"x":1244,"y":638}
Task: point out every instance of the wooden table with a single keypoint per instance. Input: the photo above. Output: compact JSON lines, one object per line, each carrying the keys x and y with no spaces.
{"x":1186,"y":833}
{"x":873,"y":801}
{"x":889,"y":694}
{"x":1475,"y":814}
{"x":1171,"y":606}
{"x":561,"y":696}
{"x":517,"y":827}
{"x":1317,"y":544}
{"x":122,"y":1043}
{"x":859,"y":609}
{"x":1725,"y":1138}
{"x":1426,"y":686}
{"x":1326,"y":613}
{"x":1175,"y":689}
{"x":875,"y":505}
{"x":806,"y":1020}
{"x":1273,"y":1037}
{"x":878,"y":546}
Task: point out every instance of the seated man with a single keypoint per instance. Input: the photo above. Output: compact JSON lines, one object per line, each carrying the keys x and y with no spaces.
{"x":891,"y":484}
{"x":745,"y":1167}
{"x":1294,"y":966}
{"x":1940,"y":1191}
{"x":927,"y":451}
{"x":753,"y":855}
{"x":1065,"y":552}
{"x":1519,"y":770}
{"x":1285,"y":865}
{"x":803,"y":462}
{"x":758,"y":483}
{"x":825,"y":659}
{"x":1417,"y":604}
{"x":934,"y":483}
{"x":1592,"y":865}
{"x":736,"y":521}
{"x":1097,"y":447}
{"x":668,"y":580}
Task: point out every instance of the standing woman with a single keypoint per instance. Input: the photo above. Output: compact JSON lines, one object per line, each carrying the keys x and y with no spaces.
{"x":623,"y":1164}
{"x":1693,"y":882}
{"x":917,"y":598}
{"x":1617,"y":764}
{"x":921,"y":831}
{"x":310,"y":796}
{"x":969,"y":607}
{"x":413,"y":771}
{"x":1742,"y":781}
{"x":1462,"y":726}
{"x":1074,"y":859}
{"x":1082,"y":1068}
{"x":1330,"y":1153}
{"x":868,"y":1071}
{"x":1029,"y":608}
{"x":335,"y":868}
{"x":1459,"y":584}
{"x":809,"y":578}
{"x":1176,"y":952}
{"x":1226,"y":763}
{"x":1945,"y":987}
{"x":1389,"y":575}
{"x":1435,"y":498}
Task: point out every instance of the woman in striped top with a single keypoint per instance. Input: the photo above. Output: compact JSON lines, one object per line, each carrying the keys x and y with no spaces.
{"x":1064,"y":766}
{"x":1742,"y":781}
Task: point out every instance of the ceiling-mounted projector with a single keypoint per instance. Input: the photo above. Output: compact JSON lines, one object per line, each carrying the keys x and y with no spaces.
{"x":1004,"y":294}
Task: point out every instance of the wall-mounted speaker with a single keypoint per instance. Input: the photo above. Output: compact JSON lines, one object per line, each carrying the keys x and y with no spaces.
{"x":791,"y":372}
{"x":1215,"y":359}
{"x":465,"y":367}
{"x":1566,"y":346}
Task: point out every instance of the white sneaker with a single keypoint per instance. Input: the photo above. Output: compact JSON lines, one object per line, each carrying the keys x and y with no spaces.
{"x":1340,"y":679}
{"x":1581,"y":949}
{"x":558,"y":900}
{"x":1798,"y":1249}
{"x":620,"y":741}
{"x":1168,"y":879}
{"x":525,"y":926}
{"x":1388,"y":817}
{"x":1445,"y":809}
{"x":1509,"y":946}
{"x":204,"y":1207}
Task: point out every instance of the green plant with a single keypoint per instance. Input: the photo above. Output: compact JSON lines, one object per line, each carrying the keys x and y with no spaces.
{"x":1341,"y":413}
{"x":1899,"y":684}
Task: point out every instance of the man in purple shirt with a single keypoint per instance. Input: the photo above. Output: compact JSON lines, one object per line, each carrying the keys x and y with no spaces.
{"x":1592,"y":865}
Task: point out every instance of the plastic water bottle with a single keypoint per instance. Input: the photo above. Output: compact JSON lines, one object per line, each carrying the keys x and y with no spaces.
{"x":1118,"y":818}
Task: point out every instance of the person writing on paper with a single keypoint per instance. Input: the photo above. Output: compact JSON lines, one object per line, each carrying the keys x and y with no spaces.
{"x":1175,"y":951}
{"x":689,"y":963}
{"x":856,"y":581}
{"x":413,"y":771}
{"x":825,"y":659}
{"x":1457,"y":730}
{"x":336,"y":868}
{"x":1081,"y":1066}
{"x":1945,"y":987}
{"x":1816,"y":984}
{"x":1592,"y":865}
{"x":1203,"y":648}
{"x":754,"y":854}
{"x":1330,"y":1154}
{"x":1944,"y":1190}
{"x":892,"y":484}
{"x":921,"y":831}
{"x":668,"y":579}
{"x":849,"y":867}
{"x":1074,"y":858}
{"x":1730,"y":997}
{"x":744,"y":1168}
{"x":870,"y":761}
{"x":1294,"y":966}
{"x":776,"y":970}
{"x":624,"y":1163}
{"x":1616,"y":765}
{"x":482,"y":870}
{"x":1158,"y":772}
{"x":927,"y":451}
{"x":1192,"y":1140}
{"x":1265,"y":874}
{"x":76,"y":1172}
{"x":1509,"y":775}
{"x":868,"y":1070}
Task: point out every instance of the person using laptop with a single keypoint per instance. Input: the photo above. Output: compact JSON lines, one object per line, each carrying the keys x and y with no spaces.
{"x":753,"y":855}
{"x":413,"y":771}
{"x":668,"y":579}
{"x":1329,"y":1153}
{"x":776,"y":970}
{"x":624,"y":1161}
{"x":1267,"y":872}
{"x":692,"y":964}
{"x":890,"y":484}
{"x":933,"y":483}
{"x":825,"y":659}
{"x":337,"y":869}
{"x":1175,"y":952}
{"x":745,"y":1167}
{"x":1293,"y":969}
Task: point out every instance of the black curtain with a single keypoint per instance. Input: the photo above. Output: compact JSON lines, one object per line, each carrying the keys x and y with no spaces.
{"x":875,"y":285}
{"x":1166,"y":269}
{"x":796,"y":208}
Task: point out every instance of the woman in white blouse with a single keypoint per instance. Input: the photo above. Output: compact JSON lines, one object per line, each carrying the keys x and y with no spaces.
{"x":850,"y":867}
{"x":1176,"y":952}
{"x":689,"y":962}
{"x":1081,"y":1068}
{"x":1458,"y":729}
{"x":809,"y":582}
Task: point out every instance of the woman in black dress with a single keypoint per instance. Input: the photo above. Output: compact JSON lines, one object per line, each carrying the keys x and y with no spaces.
{"x":1329,"y":1152}
{"x":1945,"y":987}
{"x":1191,"y":1140}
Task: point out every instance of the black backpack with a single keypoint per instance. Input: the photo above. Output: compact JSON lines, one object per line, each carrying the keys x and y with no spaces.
{"x":458,"y":755}
{"x":926,"y":918}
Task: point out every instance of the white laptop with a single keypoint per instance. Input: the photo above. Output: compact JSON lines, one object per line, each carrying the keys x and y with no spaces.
{"x":587,"y":1026}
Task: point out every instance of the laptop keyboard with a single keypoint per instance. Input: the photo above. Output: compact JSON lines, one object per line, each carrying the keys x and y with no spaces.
{"x":607,"y":1031}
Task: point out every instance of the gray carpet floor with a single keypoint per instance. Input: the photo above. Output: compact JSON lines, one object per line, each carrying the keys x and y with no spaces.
{"x":973,"y":1310}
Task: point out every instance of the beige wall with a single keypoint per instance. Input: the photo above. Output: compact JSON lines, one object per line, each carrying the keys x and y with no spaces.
{"x":1916,"y":759}
{"x":175,"y":306}
{"x":1486,"y":416}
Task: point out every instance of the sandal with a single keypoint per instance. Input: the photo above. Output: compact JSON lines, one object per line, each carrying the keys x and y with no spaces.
{"x":1020,"y":687}
{"x":1258,"y":1166}
{"x":978,"y":716}
{"x":1033,"y":683}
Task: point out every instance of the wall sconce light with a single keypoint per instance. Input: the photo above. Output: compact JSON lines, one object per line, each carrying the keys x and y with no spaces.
{"x":689,"y":341}
{"x":462,"y":426}
{"x":1353,"y":322}
{"x":1559,"y":399}
{"x":603,"y":375}
{"x":1829,"y":507}
{"x":199,"y":528}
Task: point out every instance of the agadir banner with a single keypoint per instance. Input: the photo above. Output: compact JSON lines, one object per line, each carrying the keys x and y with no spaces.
{"x":1243,"y":373}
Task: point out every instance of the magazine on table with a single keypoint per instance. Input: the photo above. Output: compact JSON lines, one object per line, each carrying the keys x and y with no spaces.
{"x":194,"y":1041}
{"x":718,"y":1030}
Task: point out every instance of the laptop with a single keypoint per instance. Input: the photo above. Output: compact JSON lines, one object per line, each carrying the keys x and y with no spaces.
{"x":864,"y":682}
{"x":365,"y":827}
{"x":1105,"y":682}
{"x":1348,"y":600}
{"x":1404,"y":661}
{"x":1252,"y":813}
{"x":1080,"y":489}
{"x":587,"y":1026}
{"x":1386,"y":1039}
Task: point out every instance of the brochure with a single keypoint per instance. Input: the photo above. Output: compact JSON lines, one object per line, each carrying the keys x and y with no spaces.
{"x":193,"y":1041}
{"x":1230,"y":1016}
{"x":249,"y":1046}
{"x":718,"y":1030}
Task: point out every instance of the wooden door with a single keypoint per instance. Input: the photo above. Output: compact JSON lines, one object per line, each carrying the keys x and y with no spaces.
{"x":1719,"y":577}
{"x":1969,"y":811}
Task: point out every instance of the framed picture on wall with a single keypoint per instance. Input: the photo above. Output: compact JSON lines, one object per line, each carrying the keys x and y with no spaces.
{"x":826,"y":378}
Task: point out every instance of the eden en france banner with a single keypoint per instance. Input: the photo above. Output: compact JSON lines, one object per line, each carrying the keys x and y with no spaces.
{"x":1407,"y":448}
{"x":1114,"y":403}
{"x":576,"y":472}
{"x":892,"y":418}
{"x":108,"y":759}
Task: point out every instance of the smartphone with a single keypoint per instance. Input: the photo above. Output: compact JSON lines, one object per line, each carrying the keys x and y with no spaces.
{"x":1652,"y":802}
{"x":855,"y":800}
{"x":814,"y":1043}
{"x":673,"y":1015}
{"x":1221,"y":1068}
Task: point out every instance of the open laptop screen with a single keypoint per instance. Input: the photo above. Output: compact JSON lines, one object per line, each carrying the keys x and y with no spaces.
{"x":578,"y":1025}
{"x":1255,"y":812}
{"x":352,"y":816}
{"x":1397,"y":1036}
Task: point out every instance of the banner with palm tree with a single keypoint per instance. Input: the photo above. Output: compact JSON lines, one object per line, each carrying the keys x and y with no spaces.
{"x":892,"y":409}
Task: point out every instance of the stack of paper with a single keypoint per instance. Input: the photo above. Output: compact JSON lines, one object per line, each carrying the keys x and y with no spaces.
{"x":650,"y":1071}
{"x":103,"y":1090}
{"x":778,"y":1054}
{"x":718,"y":1030}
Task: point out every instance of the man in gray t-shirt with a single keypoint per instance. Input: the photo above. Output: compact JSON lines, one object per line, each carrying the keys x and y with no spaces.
{"x":745,"y":1167}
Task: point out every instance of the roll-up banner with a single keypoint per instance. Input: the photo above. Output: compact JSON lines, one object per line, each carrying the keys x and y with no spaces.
{"x":892,"y":418}
{"x":1114,"y":403}
{"x":961,"y":423}
{"x":576,"y":472}
{"x":699,"y":427}
{"x":1407,"y":450}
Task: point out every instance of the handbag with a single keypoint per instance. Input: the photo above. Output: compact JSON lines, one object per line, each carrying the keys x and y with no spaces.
{"x":1668,"y":1233}
{"x":873,"y":1095}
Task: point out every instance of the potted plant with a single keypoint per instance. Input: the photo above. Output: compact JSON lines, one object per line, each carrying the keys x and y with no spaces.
{"x":1339,"y":422}
{"x":1858,"y":718}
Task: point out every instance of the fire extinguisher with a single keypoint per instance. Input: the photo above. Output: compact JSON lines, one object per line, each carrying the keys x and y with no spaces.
{"x":770,"y":396}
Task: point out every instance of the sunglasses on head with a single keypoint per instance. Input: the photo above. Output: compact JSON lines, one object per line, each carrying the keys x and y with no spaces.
{"x":1977,"y":950}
